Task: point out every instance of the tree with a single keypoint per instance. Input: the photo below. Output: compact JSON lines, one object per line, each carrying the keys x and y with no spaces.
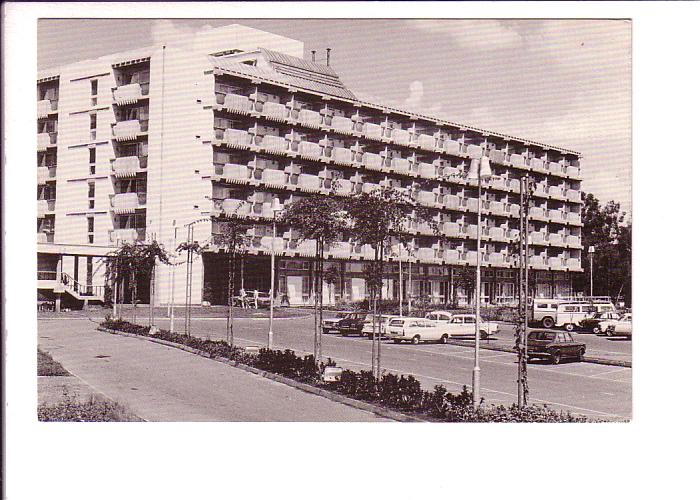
{"x":466,"y":279}
{"x":605,"y":227}
{"x":233,"y":239}
{"x":322,"y":219}
{"x":134,"y":261}
{"x":331,"y":277}
{"x":377,"y":217}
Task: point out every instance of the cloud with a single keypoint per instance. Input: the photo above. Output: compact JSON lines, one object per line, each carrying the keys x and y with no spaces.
{"x":472,"y":34}
{"x":415,"y":100}
{"x":166,"y":31}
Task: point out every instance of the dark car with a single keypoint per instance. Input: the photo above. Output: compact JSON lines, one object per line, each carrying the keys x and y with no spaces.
{"x":593,"y":324}
{"x":554,"y":345}
{"x":352,"y":324}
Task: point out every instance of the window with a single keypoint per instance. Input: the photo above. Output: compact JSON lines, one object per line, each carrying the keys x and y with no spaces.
{"x":92,"y":155}
{"x":93,"y":87}
{"x":91,"y":190}
{"x":93,"y":126}
{"x":91,"y":224}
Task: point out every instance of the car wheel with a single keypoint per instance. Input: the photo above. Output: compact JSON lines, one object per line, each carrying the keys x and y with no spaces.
{"x":326,"y":330}
{"x":556,"y":357}
{"x":344,"y":334}
{"x":415,"y":339}
{"x":397,"y":341}
{"x":483,"y":335}
{"x":548,"y":322}
{"x":596,"y":330}
{"x":580,"y":355}
{"x":609,"y":332}
{"x":569,"y":327}
{"x":443,"y":339}
{"x":629,"y":337}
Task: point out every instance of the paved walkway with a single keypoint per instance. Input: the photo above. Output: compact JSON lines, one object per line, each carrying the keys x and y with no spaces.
{"x":160,"y":383}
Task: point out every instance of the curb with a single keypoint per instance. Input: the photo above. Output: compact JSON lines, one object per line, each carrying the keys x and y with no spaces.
{"x":586,"y":359}
{"x":312,"y":389}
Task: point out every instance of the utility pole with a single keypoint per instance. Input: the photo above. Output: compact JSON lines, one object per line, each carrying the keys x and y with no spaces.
{"x":188,"y":287}
{"x":523,"y":291}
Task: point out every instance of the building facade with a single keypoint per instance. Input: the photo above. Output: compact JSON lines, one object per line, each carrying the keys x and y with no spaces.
{"x":135,"y":146}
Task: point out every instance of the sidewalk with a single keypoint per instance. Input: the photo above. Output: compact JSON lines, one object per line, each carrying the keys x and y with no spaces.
{"x":160,"y":383}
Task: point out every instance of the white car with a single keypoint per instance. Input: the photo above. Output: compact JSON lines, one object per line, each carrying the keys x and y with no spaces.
{"x":439,"y":316}
{"x":464,"y":325}
{"x":414,"y":330}
{"x":621,"y":327}
{"x":331,"y":324}
{"x":382,"y":323}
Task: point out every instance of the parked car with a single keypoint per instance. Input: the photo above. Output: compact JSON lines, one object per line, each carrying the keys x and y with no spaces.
{"x":331,"y":324}
{"x":439,"y":316}
{"x":382,"y":323}
{"x":545,"y":311}
{"x":593,"y":324}
{"x":621,"y":327}
{"x":352,"y":324}
{"x":414,"y":330}
{"x":464,"y":325}
{"x":553,"y":345}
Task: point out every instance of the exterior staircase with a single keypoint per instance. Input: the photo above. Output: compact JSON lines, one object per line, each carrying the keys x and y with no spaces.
{"x":84,"y":293}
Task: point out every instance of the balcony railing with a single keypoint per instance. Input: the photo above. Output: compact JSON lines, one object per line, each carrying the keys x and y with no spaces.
{"x":574,"y":217}
{"x":310,"y":150}
{"x":573,"y":263}
{"x":274,"y":177}
{"x":42,"y":175}
{"x":401,"y":165}
{"x":342,"y":124}
{"x":556,"y":215}
{"x":517,"y":160}
{"x":274,"y":143}
{"x":275,"y":111}
{"x":128,"y":166}
{"x":372,"y":161}
{"x":235,"y":103}
{"x":427,"y":170}
{"x":129,"y":129}
{"x":401,"y":136}
{"x":127,"y":235}
{"x":573,"y":195}
{"x":309,"y":182}
{"x":44,"y":207}
{"x":45,"y":107}
{"x":310,"y":118}
{"x":373,"y":131}
{"x":46,"y":275}
{"x":426,"y":141}
{"x":125,"y":203}
{"x":451,"y":256}
{"x":556,"y":239}
{"x":452,"y":147}
{"x":45,"y":140}
{"x":342,"y":155}
{"x":130,"y":94}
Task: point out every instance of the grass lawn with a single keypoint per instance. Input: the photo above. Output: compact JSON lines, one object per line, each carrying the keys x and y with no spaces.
{"x":47,"y":367}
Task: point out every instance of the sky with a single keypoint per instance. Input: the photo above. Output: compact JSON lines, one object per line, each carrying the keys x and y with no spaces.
{"x":562,"y":82}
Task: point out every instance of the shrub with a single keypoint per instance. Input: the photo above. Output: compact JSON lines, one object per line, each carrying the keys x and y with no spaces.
{"x":70,"y":409}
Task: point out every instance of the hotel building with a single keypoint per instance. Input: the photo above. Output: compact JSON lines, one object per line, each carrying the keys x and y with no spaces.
{"x":136,"y":145}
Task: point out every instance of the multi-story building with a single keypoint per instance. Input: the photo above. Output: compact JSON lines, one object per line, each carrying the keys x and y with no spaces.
{"x":141,"y":144}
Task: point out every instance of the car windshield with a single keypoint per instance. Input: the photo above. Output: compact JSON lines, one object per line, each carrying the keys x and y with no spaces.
{"x":542,"y":336}
{"x":396,"y":322}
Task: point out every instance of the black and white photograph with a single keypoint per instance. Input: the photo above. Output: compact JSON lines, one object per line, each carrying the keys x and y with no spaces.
{"x":320,"y":219}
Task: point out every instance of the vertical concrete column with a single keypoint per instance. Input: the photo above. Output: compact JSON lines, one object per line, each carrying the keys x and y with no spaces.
{"x":59,"y":284}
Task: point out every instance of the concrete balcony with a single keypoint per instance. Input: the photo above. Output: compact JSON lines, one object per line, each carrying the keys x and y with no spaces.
{"x":514,"y":185}
{"x":119,"y":236}
{"x":129,"y":129}
{"x":400,"y":136}
{"x":537,"y":237}
{"x":452,"y":147}
{"x":341,"y":250}
{"x":45,"y":107}
{"x":310,"y":150}
{"x":495,"y":258}
{"x":538,"y":213}
{"x":274,"y":142}
{"x":471,"y":231}
{"x":237,"y":138}
{"x":453,"y":229}
{"x":344,"y":186}
{"x":472,"y":204}
{"x":513,"y":234}
{"x":235,"y":103}
{"x":42,"y":175}
{"x":45,"y":140}
{"x":497,"y":183}
{"x":497,"y":233}
{"x":541,"y":190}
{"x":555,"y":168}
{"x":427,"y":170}
{"x":556,"y":263}
{"x":452,"y":202}
{"x":265,"y":244}
{"x":474,"y":151}
{"x":556,"y":216}
{"x":572,"y":171}
{"x":234,"y":172}
{"x":309,"y":182}
{"x":126,"y":166}
{"x":310,"y":118}
{"x":305,"y":248}
{"x":275,"y":111}
{"x":555,"y":239}
{"x":342,"y":155}
{"x":426,"y":254}
{"x":372,"y":161}
{"x":517,"y":160}
{"x":497,"y":207}
{"x":273,"y":177}
{"x":537,"y":262}
{"x":537,"y":165}
{"x":426,"y":198}
{"x":401,"y":165}
{"x":342,"y":124}
{"x":426,"y":141}
{"x":574,"y":218}
{"x":514,"y":210}
{"x":574,"y":264}
{"x":232,"y":207}
{"x":470,"y":257}
{"x":573,"y":195}
{"x":452,"y":174}
{"x":497,"y":156}
{"x":42,"y":208}
{"x":368,"y":187}
{"x":573,"y":241}
{"x":367,"y":252}
{"x":130,"y":94}
{"x":127,"y":203}
{"x":451,"y":256}
{"x":373,"y":131}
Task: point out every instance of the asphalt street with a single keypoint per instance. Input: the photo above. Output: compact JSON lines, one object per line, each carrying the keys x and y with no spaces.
{"x":595,"y":390}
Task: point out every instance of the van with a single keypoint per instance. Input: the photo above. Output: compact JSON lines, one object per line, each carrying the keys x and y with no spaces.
{"x":545,"y":311}
{"x":570,"y":314}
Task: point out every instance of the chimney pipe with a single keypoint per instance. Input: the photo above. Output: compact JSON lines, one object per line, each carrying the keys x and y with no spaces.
{"x":328,"y":57}
{"x":313,"y":56}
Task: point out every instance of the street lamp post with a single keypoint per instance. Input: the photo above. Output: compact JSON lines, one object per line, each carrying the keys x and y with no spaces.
{"x":400,"y":282}
{"x":478,"y":168}
{"x":172,"y":282}
{"x":276,"y":207}
{"x":591,"y":251}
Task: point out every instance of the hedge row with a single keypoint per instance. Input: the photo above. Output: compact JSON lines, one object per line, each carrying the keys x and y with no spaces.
{"x":397,"y":392}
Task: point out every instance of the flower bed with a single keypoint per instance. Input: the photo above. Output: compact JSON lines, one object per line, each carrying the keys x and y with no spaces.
{"x":395,"y":392}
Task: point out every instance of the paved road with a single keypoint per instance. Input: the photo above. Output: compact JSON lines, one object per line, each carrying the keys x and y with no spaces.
{"x":161,"y":383}
{"x":595,"y":390}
